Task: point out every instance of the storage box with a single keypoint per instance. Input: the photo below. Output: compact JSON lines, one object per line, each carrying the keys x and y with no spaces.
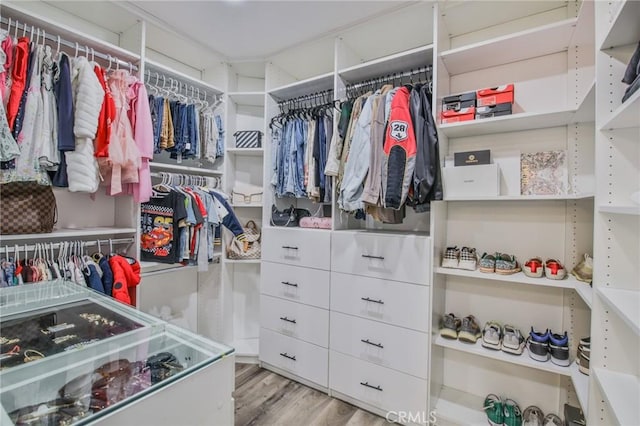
{"x":452,"y":116}
{"x":246,"y":194}
{"x":457,"y":102}
{"x":472,"y":158}
{"x":248,"y":138}
{"x":495,"y":95}
{"x":467,"y":182}
{"x":489,"y":111}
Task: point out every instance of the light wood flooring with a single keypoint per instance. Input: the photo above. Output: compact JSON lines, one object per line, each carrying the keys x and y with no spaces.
{"x":264,"y":398}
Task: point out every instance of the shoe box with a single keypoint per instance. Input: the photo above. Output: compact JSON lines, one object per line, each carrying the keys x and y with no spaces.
{"x":472,"y":181}
{"x":479,"y":104}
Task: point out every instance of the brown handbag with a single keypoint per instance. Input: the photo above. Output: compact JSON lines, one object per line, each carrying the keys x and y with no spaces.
{"x":26,"y":208}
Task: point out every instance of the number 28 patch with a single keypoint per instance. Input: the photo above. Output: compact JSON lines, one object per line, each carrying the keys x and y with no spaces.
{"x":399,"y":130}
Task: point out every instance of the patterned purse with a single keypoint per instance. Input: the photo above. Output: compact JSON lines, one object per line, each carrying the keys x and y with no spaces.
{"x":26,"y":208}
{"x":248,"y":138}
{"x":246,"y":245}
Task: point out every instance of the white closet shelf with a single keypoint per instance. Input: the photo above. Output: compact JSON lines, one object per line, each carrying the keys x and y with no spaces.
{"x":626,"y":303}
{"x":460,"y":407}
{"x":247,"y":98}
{"x":304,"y":87}
{"x":623,"y":28}
{"x":518,"y":122}
{"x":531,"y":43}
{"x":632,"y":210}
{"x":68,"y":234}
{"x":585,"y":291}
{"x":152,"y":267}
{"x":153,"y":66}
{"x":569,"y":282}
{"x":578,"y":196}
{"x":621,"y":392}
{"x":399,"y":62}
{"x":246,"y":206}
{"x":524,"y":359}
{"x":176,"y":168}
{"x":581,"y":385}
{"x":245,"y":262}
{"x":250,"y":152}
{"x":14,"y":11}
{"x":626,"y":115}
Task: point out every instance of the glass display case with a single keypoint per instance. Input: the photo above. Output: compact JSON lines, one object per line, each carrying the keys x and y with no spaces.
{"x":69,"y":355}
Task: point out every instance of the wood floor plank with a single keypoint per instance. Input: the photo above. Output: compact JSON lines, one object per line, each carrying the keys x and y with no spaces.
{"x":264,"y":398}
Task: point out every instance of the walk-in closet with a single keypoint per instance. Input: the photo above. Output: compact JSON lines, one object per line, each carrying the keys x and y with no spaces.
{"x":242,"y":212}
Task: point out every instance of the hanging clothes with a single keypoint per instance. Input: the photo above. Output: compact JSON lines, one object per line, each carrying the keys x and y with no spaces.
{"x":6,"y":59}
{"x":18,"y":79}
{"x":160,"y":227}
{"x":49,"y":154}
{"x":63,"y":91}
{"x":140,"y":117}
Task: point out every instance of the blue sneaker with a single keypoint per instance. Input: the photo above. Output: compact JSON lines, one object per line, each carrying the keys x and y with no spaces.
{"x":559,"y":349}
{"x":538,"y":345}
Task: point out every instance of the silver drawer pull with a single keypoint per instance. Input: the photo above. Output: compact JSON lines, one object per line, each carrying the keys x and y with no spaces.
{"x":368,"y":342}
{"x":378,"y":388}
{"x":368,"y":256}
{"x":367,"y":299}
{"x":289,"y":284}
{"x":290,"y":247}
{"x":292,"y":321}
{"x":286,"y":355}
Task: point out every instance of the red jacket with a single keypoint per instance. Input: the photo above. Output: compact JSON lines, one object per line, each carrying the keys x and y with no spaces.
{"x":125,"y":275}
{"x":399,"y":151}
{"x":107,"y":114}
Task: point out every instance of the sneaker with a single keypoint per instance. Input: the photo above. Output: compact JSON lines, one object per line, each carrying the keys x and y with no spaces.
{"x":487,"y":263}
{"x":512,"y":340}
{"x":533,"y":268}
{"x":583,"y":271}
{"x":450,"y":326}
{"x":584,"y":357}
{"x":554,"y":270}
{"x":468,"y":259}
{"x":451,"y":257}
{"x":538,"y":345}
{"x":552,"y":420}
{"x":492,"y":336}
{"x":469,"y":330}
{"x":506,"y":264}
{"x":532,"y":416}
{"x":512,"y":413}
{"x":494,"y":410}
{"x":559,"y":349}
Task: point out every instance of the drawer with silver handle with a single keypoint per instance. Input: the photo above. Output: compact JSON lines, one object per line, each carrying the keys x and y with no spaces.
{"x":300,"y":247}
{"x":298,"y":284}
{"x":303,"y":322}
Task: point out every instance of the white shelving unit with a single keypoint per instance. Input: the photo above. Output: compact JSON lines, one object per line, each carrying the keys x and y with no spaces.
{"x":460,"y":408}
{"x":578,"y":196}
{"x":625,"y":116}
{"x":630,"y":210}
{"x":581,"y":386}
{"x":70,"y":234}
{"x":303,"y":87}
{"x":620,"y":391}
{"x":395,"y":63}
{"x":625,"y":303}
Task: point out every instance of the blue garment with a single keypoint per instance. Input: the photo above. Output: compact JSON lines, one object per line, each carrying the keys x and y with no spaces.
{"x":107,"y":275}
{"x":191,"y":145}
{"x":156,"y":104}
{"x":93,"y":278}
{"x":221,"y":132}
{"x":276,"y":135}
{"x":66,"y":138}
{"x":230,"y":221}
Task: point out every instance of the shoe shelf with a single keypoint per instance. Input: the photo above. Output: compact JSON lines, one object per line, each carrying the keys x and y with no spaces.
{"x":626,"y":303}
{"x":69,"y":234}
{"x":585,"y":291}
{"x":455,"y":406}
{"x":621,"y":392}
{"x":632,"y":210}
{"x":626,"y":115}
{"x":581,"y":386}
{"x":251,"y":152}
{"x":520,"y":277}
{"x":577,"y":196}
{"x":524,"y":359}
{"x":623,"y":27}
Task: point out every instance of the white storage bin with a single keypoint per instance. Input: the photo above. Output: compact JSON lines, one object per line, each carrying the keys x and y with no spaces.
{"x":472,"y":181}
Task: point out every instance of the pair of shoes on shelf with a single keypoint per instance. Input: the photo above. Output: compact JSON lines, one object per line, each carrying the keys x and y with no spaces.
{"x":583,"y":271}
{"x":466,"y":329}
{"x":533,"y":416}
{"x":500,"y":263}
{"x":507,"y":338}
{"x":548,"y":345}
{"x":465,"y":258}
{"x":584,"y":355}
{"x":551,"y":268}
{"x":502,"y":412}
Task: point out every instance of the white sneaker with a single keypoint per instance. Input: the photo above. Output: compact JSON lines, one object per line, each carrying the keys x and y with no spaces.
{"x":468,"y":259}
{"x":451,"y":257}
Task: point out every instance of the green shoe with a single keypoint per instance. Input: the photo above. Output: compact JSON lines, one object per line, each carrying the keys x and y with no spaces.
{"x":494,"y":410}
{"x":512,"y":414}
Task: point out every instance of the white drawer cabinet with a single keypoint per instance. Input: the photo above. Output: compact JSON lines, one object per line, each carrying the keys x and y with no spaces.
{"x":377,"y":386}
{"x":389,"y":256}
{"x":304,"y":285}
{"x":300,"y":358}
{"x":303,"y":322}
{"x":387,"y":345}
{"x":301,"y":247}
{"x":402,"y":304}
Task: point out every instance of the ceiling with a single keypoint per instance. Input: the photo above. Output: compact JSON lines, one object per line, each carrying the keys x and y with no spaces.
{"x":237,"y":30}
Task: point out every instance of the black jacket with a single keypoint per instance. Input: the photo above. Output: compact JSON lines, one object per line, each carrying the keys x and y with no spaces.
{"x":427,"y":179}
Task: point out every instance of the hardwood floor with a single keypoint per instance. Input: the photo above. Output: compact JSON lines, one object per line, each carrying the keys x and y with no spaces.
{"x":264,"y":398}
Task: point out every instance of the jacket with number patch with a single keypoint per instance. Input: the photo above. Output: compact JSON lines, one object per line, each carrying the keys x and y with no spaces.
{"x":399,"y":151}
